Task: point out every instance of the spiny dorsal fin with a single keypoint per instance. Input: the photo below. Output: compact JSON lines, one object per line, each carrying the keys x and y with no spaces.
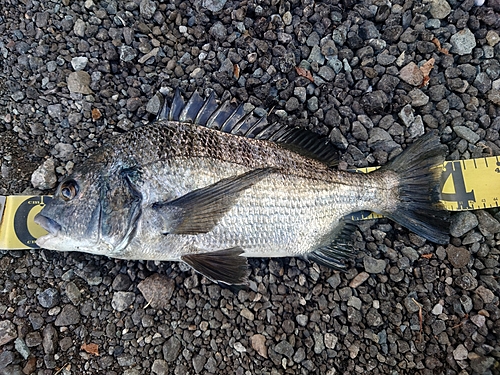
{"x":226,"y":118}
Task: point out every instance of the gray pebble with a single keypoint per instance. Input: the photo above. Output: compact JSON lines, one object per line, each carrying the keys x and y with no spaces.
{"x":214,"y":5}
{"x":49,"y":298}
{"x":69,"y":315}
{"x":22,"y":348}
{"x":6,"y":358}
{"x":466,"y":281}
{"x":460,"y":353}
{"x":373,"y":265}
{"x":171,"y":349}
{"x":122,"y":300}
{"x":127,"y":53}
{"x":79,"y":63}
{"x":73,"y":293}
{"x":466,"y":133}
{"x":418,"y":98}
{"x":338,"y":140}
{"x":44,"y":177}
{"x":49,"y":339}
{"x":78,"y":82}
{"x":488,"y":225}
{"x":79,"y":28}
{"x":462,"y":222}
{"x":440,"y":9}
{"x":284,"y":348}
{"x":463,"y":42}
{"x":147,"y":8}
{"x":8,"y":332}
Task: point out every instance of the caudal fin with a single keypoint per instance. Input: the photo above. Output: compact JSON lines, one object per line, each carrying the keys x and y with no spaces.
{"x":419,"y":208}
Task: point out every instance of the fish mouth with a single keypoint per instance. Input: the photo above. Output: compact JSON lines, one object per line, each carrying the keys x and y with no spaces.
{"x":49,"y":225}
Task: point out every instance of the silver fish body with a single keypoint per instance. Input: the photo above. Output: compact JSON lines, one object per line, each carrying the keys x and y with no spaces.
{"x":179,"y":191}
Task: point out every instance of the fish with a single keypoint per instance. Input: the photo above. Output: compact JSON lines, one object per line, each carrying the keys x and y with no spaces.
{"x":211,"y":185}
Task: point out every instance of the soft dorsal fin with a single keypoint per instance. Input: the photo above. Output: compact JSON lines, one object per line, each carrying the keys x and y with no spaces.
{"x":226,"y":118}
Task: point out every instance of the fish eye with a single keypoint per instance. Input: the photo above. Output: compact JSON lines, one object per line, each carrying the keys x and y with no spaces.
{"x":69,"y":190}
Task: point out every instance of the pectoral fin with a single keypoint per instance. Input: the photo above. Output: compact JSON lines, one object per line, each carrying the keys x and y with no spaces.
{"x":200,"y":210}
{"x":224,"y":266}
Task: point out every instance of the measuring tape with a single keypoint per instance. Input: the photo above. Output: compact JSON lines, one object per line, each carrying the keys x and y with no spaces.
{"x":465,"y":185}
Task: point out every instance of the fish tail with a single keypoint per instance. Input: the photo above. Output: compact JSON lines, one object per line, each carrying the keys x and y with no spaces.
{"x":418,"y":207}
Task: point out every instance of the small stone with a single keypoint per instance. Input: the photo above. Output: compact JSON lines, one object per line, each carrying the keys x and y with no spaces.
{"x":127,"y":53}
{"x":122,"y":300}
{"x":54,"y":111}
{"x":486,"y":295}
{"x":79,"y":63}
{"x":157,"y":290}
{"x":160,"y":367}
{"x":302,"y":320}
{"x":494,"y":96}
{"x":8,"y":332}
{"x":6,"y":358}
{"x":462,"y":222}
{"x":458,"y":256}
{"x":338,"y":139}
{"x":460,"y":353}
{"x":79,"y":82}
{"x":418,"y":98}
{"x":258,"y":343}
{"x":198,"y":363}
{"x":49,"y":298}
{"x":488,"y":225}
{"x":478,"y":320}
{"x":247,"y":314}
{"x":411,"y":74}
{"x":69,"y":315}
{"x":492,"y":38}
{"x":359,"y":279}
{"x":214,"y":5}
{"x":466,"y":281}
{"x":326,"y":73}
{"x":437,"y":309}
{"x":481,"y":364}
{"x":440,"y":9}
{"x":406,"y":115}
{"x":22,"y":348}
{"x":355,"y":302}
{"x":49,"y":339}
{"x":463,"y":42}
{"x":319,"y":343}
{"x":466,"y":133}
{"x":147,"y":8}
{"x":238,"y":346}
{"x":73,"y":293}
{"x":373,"y":265}
{"x":79,"y":28}
{"x":63,"y":150}
{"x":467,"y":303}
{"x":121,"y":282}
{"x":171,"y":349}
{"x":44,"y":177}
{"x":331,"y":340}
{"x":284,"y":348}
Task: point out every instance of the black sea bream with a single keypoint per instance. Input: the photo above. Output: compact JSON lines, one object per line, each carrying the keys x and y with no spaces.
{"x":210,"y":186}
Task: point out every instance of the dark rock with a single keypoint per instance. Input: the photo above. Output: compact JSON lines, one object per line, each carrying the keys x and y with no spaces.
{"x":68,"y":316}
{"x":49,"y":298}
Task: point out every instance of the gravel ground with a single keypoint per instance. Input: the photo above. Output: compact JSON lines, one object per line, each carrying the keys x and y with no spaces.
{"x":74,"y":73}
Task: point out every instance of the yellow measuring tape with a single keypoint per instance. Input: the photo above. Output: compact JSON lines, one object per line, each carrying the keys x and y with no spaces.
{"x":465,"y":185}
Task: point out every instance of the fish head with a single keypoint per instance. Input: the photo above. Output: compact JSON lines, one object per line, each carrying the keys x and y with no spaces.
{"x":92,"y":212}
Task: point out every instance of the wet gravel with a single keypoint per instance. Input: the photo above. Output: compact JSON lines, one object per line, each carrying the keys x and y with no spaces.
{"x":372,"y":76}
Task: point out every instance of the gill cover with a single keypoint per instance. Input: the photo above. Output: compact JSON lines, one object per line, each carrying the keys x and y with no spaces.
{"x":120,"y":208}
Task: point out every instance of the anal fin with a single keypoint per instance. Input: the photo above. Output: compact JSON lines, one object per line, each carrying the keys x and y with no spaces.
{"x":341,"y":248}
{"x":223,"y":266}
